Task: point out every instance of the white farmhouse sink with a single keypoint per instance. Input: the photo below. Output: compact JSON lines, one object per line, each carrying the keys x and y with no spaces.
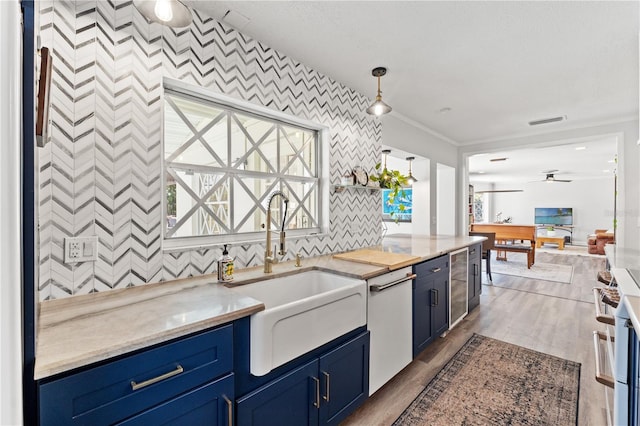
{"x":303,"y":311}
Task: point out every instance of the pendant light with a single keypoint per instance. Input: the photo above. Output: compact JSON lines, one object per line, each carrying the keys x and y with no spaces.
{"x":410,"y":179}
{"x":171,"y":13}
{"x":379,"y":107}
{"x":385,"y":174}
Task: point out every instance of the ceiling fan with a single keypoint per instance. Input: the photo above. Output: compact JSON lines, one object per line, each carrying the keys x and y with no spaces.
{"x":551,"y":177}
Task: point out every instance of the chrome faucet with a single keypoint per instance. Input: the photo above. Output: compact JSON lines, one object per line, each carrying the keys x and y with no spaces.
{"x":269,"y":258}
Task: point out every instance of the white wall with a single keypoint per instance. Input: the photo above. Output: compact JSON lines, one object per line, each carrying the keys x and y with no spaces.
{"x":446,"y":200}
{"x":401,"y":133}
{"x":591,"y":200}
{"x":10,"y":214}
{"x":628,"y":167}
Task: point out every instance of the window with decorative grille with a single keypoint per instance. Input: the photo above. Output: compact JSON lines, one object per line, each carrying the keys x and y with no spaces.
{"x":222,"y":162}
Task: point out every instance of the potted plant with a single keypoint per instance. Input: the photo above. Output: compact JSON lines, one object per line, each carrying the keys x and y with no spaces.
{"x":390,"y":179}
{"x":551,"y":231}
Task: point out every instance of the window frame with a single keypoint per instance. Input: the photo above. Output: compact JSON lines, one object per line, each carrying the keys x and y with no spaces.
{"x":246,"y":108}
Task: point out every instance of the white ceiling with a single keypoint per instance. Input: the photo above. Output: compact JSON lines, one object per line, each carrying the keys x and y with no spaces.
{"x":497,"y":65}
{"x":592,"y":159}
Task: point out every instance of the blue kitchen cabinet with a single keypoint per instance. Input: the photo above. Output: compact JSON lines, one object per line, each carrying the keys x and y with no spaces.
{"x":191,"y":377}
{"x":430,"y":301}
{"x":323,"y":391}
{"x":475,"y":275}
{"x":210,"y":404}
{"x":288,"y":400}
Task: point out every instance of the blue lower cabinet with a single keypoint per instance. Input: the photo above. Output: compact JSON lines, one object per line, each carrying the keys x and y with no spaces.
{"x":288,"y":400}
{"x":344,"y":378}
{"x":430,"y":302}
{"x":475,"y":275}
{"x":323,"y":391}
{"x":188,"y":369}
{"x":211,"y":405}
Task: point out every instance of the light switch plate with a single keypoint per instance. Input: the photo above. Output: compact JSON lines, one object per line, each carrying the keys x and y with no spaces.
{"x":80,"y":249}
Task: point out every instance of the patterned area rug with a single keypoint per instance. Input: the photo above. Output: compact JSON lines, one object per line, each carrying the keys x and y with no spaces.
{"x":538,"y":271}
{"x":490,"y":382}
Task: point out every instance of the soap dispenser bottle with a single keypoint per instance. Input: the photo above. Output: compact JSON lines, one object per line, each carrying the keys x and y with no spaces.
{"x":225,"y":267}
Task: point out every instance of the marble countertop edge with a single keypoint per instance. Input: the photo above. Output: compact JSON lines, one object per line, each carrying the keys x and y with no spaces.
{"x":125,"y":347}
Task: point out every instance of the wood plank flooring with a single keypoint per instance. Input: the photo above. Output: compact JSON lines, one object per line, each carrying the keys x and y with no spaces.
{"x":549,"y":317}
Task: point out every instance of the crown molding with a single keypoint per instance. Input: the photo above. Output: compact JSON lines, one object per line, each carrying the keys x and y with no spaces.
{"x":422,"y":127}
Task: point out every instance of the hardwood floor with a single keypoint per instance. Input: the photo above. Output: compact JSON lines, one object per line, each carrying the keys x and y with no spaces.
{"x":554,"y":318}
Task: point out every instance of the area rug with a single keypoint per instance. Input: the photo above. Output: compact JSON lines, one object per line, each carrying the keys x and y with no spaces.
{"x":569,"y":251}
{"x":539,"y":271}
{"x":490,"y":382}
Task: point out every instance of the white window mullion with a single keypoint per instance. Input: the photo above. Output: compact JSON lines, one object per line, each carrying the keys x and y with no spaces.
{"x":225,"y":200}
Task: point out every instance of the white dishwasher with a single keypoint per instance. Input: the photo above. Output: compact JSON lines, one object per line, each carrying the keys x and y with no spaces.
{"x":389,"y":319}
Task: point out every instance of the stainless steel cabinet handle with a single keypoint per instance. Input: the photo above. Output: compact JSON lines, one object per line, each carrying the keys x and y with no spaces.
{"x":136,"y":386}
{"x":475,"y":269}
{"x":229,"y":409}
{"x":327,"y":385}
{"x":434,"y":297}
{"x":437,"y":297}
{"x":316,"y":402}
{"x":472,"y":251}
{"x":436,"y":270}
{"x":380,"y":287}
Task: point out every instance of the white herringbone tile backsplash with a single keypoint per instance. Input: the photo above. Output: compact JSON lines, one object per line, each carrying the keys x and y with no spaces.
{"x":100,"y":173}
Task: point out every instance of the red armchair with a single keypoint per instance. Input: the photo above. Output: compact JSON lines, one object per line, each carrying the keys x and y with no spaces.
{"x":597,"y":241}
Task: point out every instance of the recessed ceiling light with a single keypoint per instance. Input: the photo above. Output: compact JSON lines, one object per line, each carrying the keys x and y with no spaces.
{"x":547,"y":120}
{"x":580,"y":148}
{"x":499,"y":159}
{"x":444,"y":110}
{"x":611,"y":161}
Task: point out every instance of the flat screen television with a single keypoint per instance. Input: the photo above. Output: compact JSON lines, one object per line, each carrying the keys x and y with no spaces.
{"x":553,"y":216}
{"x":404,"y":198}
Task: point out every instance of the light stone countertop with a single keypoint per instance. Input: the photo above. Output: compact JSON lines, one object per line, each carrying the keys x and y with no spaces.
{"x":81,"y":330}
{"x":620,"y":259}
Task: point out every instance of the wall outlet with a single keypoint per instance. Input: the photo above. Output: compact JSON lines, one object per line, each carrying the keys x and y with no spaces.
{"x":80,"y":249}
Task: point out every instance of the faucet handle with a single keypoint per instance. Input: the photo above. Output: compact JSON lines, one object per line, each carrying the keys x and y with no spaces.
{"x":298,"y":260}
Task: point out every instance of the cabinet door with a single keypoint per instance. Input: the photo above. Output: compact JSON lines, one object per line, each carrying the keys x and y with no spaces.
{"x":208,"y":405}
{"x":344,"y":378}
{"x":439,"y":305}
{"x":475,"y":275}
{"x":426,"y":294}
{"x":421,"y":314}
{"x":288,"y":400}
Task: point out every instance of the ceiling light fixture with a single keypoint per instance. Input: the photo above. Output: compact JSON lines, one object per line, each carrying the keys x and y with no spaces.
{"x":581,"y":148}
{"x":171,"y":13}
{"x":410,"y":179}
{"x":385,"y":175}
{"x":379,"y":107}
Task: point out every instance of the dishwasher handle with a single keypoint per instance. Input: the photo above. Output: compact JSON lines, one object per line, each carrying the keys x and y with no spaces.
{"x":384,"y":286}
